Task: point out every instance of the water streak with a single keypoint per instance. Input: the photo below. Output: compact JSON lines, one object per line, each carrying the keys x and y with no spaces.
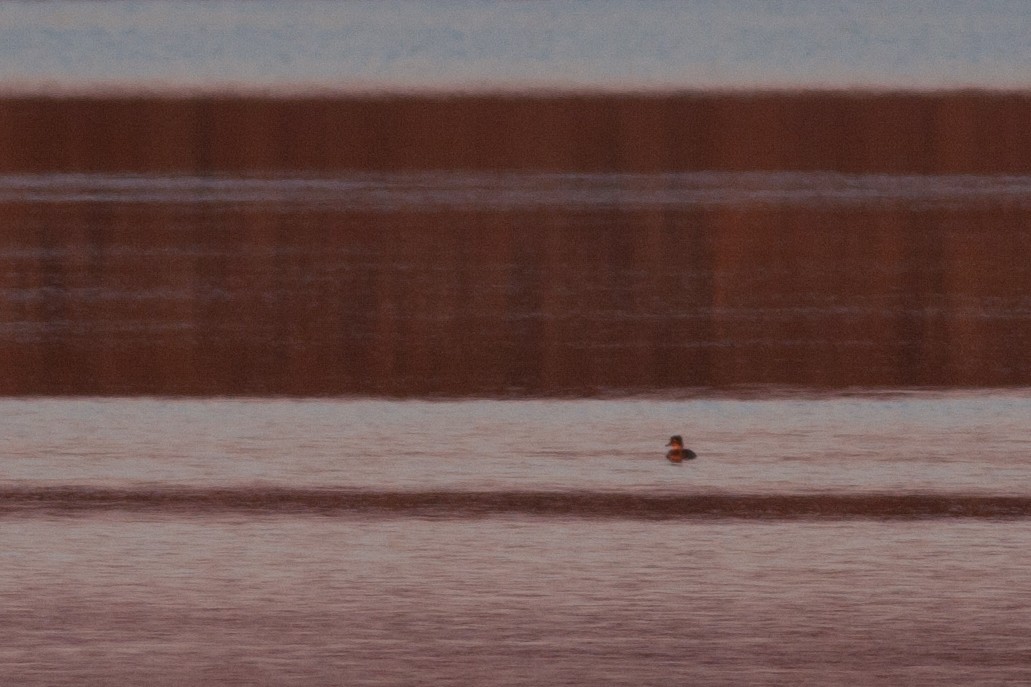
{"x":510,"y":191}
{"x":465,"y":504}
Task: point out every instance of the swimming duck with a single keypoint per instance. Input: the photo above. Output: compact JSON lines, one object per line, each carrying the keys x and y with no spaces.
{"x":677,"y":452}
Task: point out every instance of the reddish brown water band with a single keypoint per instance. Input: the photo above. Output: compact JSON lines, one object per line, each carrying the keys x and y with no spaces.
{"x":144,"y":300}
{"x":967,"y":132}
{"x":107,"y":297}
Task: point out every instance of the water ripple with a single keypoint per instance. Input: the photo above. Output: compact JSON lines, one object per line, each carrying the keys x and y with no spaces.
{"x":465,"y":504}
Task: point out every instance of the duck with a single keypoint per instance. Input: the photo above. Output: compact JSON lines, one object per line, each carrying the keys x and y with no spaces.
{"x":677,"y":452}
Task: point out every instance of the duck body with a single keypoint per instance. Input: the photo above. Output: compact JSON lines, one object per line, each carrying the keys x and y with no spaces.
{"x":677,"y":453}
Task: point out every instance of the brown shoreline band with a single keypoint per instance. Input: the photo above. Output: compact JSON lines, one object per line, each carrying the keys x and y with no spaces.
{"x":949,"y":132}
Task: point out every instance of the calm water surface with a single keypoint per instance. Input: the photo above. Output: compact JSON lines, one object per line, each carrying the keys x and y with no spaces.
{"x":189,"y":590}
{"x":965,"y":442}
{"x":211,"y":309}
{"x":456,"y":283}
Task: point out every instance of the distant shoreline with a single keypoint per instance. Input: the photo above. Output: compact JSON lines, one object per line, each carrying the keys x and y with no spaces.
{"x":864,"y":131}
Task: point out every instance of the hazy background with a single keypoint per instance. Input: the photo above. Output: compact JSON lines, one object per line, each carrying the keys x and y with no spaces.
{"x":476,"y":44}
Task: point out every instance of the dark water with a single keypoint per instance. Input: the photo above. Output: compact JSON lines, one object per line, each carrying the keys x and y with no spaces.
{"x":462,"y":284}
{"x":452,"y":504}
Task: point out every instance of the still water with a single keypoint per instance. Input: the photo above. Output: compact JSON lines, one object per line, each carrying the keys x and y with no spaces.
{"x":362,"y":541}
{"x":519,"y":283}
{"x":367,"y":387}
